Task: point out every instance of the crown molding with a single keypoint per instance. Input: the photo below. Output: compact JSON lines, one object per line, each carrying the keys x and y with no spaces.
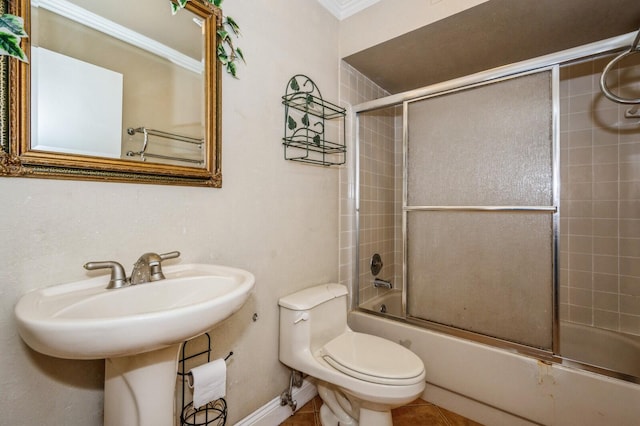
{"x":82,"y":16}
{"x":342,"y":9}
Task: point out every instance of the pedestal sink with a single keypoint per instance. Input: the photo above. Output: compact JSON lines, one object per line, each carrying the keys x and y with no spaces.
{"x":137,"y":329}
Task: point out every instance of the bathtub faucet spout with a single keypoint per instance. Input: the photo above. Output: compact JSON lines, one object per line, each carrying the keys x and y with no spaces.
{"x":380,"y":283}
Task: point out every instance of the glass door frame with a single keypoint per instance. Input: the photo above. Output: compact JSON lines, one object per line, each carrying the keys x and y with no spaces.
{"x":553,"y":209}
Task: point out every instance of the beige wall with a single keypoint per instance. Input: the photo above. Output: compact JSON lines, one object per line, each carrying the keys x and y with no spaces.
{"x":275,"y":218}
{"x":155,"y":23}
{"x":391,"y":18}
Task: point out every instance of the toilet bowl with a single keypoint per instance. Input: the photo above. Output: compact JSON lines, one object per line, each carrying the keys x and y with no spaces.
{"x":360,"y":377}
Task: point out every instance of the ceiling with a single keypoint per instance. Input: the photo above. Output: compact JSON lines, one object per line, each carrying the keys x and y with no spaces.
{"x":492,"y":34}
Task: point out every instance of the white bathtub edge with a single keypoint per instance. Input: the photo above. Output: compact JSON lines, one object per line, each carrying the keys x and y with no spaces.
{"x":522,"y":386}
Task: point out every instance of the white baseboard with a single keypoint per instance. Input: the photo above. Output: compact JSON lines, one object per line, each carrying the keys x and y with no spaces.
{"x":272,"y":413}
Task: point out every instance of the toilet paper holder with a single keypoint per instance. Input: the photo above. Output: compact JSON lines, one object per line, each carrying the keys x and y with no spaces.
{"x":190,"y":376}
{"x":215,"y":412}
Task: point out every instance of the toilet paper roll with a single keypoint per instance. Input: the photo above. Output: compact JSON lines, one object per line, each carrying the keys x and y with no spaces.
{"x":209,"y":382}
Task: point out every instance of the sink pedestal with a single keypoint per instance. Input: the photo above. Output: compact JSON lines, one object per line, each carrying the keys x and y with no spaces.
{"x":139,"y":389}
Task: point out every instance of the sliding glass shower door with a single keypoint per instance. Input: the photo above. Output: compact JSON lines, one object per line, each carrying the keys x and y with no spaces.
{"x":480,"y":207}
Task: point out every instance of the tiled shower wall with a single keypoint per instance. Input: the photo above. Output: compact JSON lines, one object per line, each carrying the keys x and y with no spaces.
{"x":600,"y":201}
{"x":379,"y":209}
{"x":380,"y":166}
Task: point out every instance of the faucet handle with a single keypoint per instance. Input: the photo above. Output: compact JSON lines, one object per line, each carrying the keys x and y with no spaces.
{"x":118,"y":276}
{"x":156,"y":267}
{"x":170,"y":255}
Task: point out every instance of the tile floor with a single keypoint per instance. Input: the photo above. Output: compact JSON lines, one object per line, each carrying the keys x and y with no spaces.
{"x":418,"y":413}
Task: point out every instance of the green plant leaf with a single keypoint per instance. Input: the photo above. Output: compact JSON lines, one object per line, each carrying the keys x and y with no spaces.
{"x":226,"y":57}
{"x":175,"y":7}
{"x":223,"y":57}
{"x":291,"y":123}
{"x":316,"y":140}
{"x":240,"y":54}
{"x":294,"y":85}
{"x":232,"y":69}
{"x":12,"y":24}
{"x":10,"y":46}
{"x":233,"y":25}
{"x":305,"y":120}
{"x":223,"y":34}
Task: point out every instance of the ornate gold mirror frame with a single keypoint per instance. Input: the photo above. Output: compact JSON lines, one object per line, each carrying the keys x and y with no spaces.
{"x":17,"y":159}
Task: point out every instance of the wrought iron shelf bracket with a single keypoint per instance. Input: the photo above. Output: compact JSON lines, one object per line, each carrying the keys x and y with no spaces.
{"x":305,"y":116}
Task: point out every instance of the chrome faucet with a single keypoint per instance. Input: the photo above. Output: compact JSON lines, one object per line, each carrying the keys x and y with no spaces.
{"x":380,"y":283}
{"x":148,"y":268}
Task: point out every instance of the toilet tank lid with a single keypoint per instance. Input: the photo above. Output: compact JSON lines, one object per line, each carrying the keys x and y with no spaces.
{"x":312,"y":296}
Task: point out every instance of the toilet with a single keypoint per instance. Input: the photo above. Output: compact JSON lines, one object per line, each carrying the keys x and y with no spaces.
{"x":360,"y":377}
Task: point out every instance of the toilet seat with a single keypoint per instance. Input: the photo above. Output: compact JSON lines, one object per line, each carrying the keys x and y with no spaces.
{"x":373,"y":359}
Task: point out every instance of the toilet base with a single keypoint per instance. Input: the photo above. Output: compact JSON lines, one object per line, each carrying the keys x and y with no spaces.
{"x":375,"y":418}
{"x":327,"y":418}
{"x":367,"y":417}
{"x":338,"y":410}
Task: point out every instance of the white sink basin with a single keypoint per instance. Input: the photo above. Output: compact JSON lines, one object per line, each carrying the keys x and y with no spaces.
{"x":138,"y":329}
{"x":84,"y":320}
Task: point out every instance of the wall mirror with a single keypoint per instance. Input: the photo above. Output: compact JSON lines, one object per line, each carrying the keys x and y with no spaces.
{"x":115,"y":90}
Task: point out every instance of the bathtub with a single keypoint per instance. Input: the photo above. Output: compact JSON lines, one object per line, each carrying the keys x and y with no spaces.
{"x":498,"y":386}
{"x":578,"y":343}
{"x":389,"y":303}
{"x":598,"y":347}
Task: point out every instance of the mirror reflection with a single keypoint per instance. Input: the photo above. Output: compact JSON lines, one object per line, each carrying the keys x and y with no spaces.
{"x":109,"y":80}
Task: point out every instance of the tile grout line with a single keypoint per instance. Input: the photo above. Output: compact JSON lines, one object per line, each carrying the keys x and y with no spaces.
{"x":446,"y":419}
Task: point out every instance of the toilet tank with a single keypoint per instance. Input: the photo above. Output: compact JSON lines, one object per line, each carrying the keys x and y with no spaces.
{"x":310,"y":318}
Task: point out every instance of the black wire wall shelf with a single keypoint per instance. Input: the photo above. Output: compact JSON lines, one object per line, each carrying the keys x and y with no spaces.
{"x":305,"y":115}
